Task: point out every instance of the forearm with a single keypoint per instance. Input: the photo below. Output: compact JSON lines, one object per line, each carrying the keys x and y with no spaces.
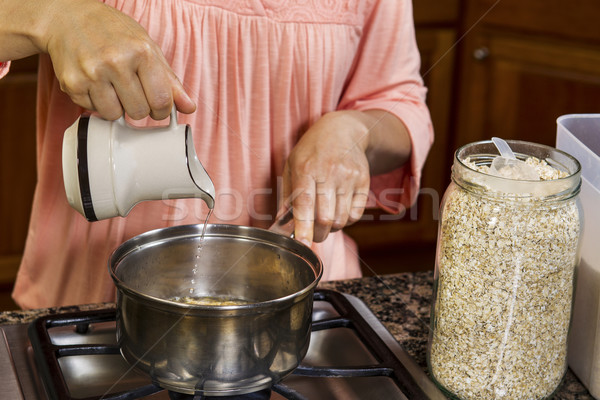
{"x":379,"y":134}
{"x":22,"y":25}
{"x":389,"y":142}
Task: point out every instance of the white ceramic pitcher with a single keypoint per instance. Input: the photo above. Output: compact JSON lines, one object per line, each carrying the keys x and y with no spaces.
{"x":110,"y":166}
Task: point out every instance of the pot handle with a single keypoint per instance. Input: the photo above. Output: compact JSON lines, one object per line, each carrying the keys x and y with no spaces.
{"x":284,"y":223}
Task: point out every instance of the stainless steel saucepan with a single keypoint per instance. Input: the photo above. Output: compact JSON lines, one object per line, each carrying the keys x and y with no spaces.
{"x":210,"y":348}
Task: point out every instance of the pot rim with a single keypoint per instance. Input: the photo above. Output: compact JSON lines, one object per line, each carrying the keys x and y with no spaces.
{"x":161,"y":235}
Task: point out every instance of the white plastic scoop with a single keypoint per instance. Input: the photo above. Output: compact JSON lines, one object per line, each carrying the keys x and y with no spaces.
{"x":506,"y":165}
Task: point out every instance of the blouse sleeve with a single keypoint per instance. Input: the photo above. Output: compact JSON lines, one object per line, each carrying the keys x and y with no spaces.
{"x":386,"y":76}
{"x":4,"y":67}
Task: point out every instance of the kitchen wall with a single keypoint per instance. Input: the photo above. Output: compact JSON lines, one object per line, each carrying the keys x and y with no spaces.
{"x":493,"y":68}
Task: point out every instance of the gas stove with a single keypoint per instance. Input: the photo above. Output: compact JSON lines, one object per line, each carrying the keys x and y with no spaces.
{"x":75,"y":356}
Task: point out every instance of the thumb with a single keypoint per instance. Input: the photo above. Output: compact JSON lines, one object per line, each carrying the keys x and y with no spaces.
{"x":181,"y":98}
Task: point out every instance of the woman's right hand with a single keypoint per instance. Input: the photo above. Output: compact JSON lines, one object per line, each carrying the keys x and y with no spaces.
{"x":106,"y":62}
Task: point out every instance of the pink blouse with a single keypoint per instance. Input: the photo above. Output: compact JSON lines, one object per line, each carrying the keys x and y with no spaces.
{"x":261,"y":72}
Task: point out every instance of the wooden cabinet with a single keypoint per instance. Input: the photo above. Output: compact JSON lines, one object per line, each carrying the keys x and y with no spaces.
{"x":522,"y":68}
{"x":17,"y":168}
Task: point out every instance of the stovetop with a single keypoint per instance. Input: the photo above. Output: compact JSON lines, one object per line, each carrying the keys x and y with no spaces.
{"x":351,"y":356}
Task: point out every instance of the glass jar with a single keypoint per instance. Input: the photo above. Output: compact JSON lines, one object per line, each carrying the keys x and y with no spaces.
{"x":504,"y":277}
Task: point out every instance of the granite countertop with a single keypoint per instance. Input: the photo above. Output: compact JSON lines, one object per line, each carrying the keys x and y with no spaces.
{"x":400,"y":301}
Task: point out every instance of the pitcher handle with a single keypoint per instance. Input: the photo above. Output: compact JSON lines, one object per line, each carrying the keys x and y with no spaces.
{"x":172,"y":123}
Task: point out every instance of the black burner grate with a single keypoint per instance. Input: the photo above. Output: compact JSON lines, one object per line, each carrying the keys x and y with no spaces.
{"x":260,"y":395}
{"x":47,"y":355}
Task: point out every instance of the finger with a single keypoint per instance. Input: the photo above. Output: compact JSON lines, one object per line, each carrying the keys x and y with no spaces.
{"x":325,"y":208}
{"x":181,"y":98}
{"x":83,"y":100}
{"x":156,"y":81}
{"x":303,"y":203}
{"x":356,"y":201}
{"x":163,"y":89}
{"x":132,"y":97}
{"x":357,"y":208}
{"x":104,"y":100}
{"x":342,"y":209}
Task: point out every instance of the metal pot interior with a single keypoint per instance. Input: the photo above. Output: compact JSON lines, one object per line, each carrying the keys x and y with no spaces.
{"x":234,"y":262}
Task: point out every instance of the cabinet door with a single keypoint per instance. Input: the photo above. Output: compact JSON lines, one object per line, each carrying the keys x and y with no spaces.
{"x":419,"y":224}
{"x":17,"y":167}
{"x":516,"y":86}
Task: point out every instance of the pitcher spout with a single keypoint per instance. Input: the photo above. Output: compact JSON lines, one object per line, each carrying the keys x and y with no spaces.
{"x":198,"y":173}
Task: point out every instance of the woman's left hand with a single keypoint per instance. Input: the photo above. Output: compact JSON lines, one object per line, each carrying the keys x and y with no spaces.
{"x":327,"y":175}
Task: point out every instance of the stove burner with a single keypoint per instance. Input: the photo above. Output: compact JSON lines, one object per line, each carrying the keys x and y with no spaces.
{"x":260,"y":395}
{"x":47,"y":355}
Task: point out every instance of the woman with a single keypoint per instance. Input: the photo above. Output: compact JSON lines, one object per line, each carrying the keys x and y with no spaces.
{"x":318,"y":102}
